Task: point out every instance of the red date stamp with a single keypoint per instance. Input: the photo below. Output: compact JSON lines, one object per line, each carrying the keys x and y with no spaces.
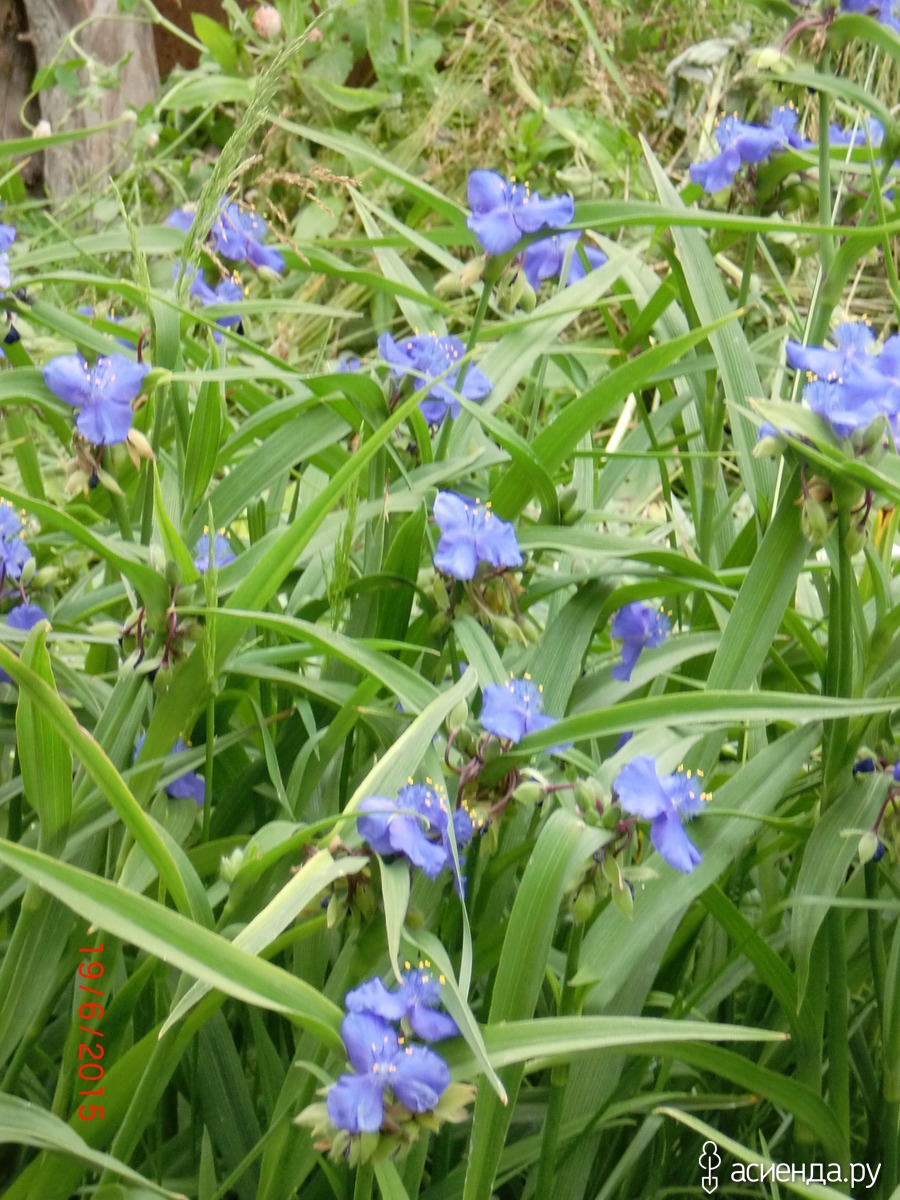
{"x":90,"y":1070}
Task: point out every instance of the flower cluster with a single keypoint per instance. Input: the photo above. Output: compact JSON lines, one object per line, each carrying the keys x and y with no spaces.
{"x":639,"y":626}
{"x":190,"y":785}
{"x":502,"y":213}
{"x":434,"y":361}
{"x":236,"y":235}
{"x":14,"y":553}
{"x":664,"y":801}
{"x":382,"y":1058}
{"x":514,"y":708}
{"x":103,"y":393}
{"x":740,"y":142}
{"x":471,"y":534}
{"x":852,"y":385}
{"x":417,"y":825}
{"x":544,"y":259}
{"x":222,"y":553}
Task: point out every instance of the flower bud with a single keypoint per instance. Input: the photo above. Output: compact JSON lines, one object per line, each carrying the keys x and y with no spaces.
{"x":43,"y":129}
{"x":528,"y":298}
{"x":230,"y":864}
{"x":173,"y":574}
{"x":28,"y":572}
{"x":868,"y":844}
{"x":769,"y":447}
{"x":584,"y":903}
{"x":472,"y":271}
{"x":459,"y":714}
{"x":623,"y":899}
{"x":162,"y":680}
{"x":439,"y":624}
{"x":528,"y":794}
{"x":448,"y":286}
{"x":267,"y":21}
{"x":855,"y":539}
{"x":816,"y":521}
{"x":871,"y":438}
{"x":584,"y":795}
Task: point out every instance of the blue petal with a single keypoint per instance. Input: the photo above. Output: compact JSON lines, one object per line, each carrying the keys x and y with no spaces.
{"x":486,"y":191}
{"x":535,"y":213}
{"x":640,"y":790}
{"x":456,"y":555}
{"x":374,"y":821}
{"x":542,"y":260}
{"x":451,"y":511}
{"x":430,"y":1025}
{"x":502,"y":714}
{"x":673,"y":844}
{"x":398,"y":355}
{"x":356,"y":1103}
{"x":496,"y":231}
{"x":434,"y":411}
{"x":717,"y":173}
{"x":68,"y":377}
{"x":497,"y":545}
{"x":476,"y":385}
{"x":117,"y":379}
{"x":25,"y":616}
{"x":259,"y":255}
{"x":407,"y":837}
{"x":369,"y":1040}
{"x":104,"y":422}
{"x":419,"y":1079}
{"x":373,"y":997}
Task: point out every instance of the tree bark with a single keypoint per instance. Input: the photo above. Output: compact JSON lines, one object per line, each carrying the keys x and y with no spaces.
{"x":108,"y":38}
{"x":16,"y":73}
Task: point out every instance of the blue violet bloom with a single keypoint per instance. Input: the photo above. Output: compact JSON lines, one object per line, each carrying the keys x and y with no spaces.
{"x":741,"y":142}
{"x":103,"y":392}
{"x":470,"y":534}
{"x":502,"y":213}
{"x":416,"y":825}
{"x":415,"y":1075}
{"x":639,"y":626}
{"x":415,"y":1001}
{"x":236,"y":235}
{"x":664,"y":801}
{"x":222,"y":553}
{"x":226,"y":291}
{"x":513,"y":709}
{"x":190,"y":785}
{"x":24,"y":617}
{"x":544,"y":259}
{"x":424,"y":358}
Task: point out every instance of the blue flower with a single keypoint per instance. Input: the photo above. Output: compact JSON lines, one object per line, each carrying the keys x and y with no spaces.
{"x":415,"y":824}
{"x":416,"y":1076}
{"x":415,"y":1001}
{"x":103,"y":393}
{"x":7,"y":237}
{"x":854,"y":338}
{"x":886,"y":12}
{"x":544,"y":259}
{"x":638,"y":625}
{"x":227,"y":291}
{"x":741,"y":142}
{"x":513,"y":709}
{"x":12,"y":521}
{"x":222,"y":553}
{"x":503,"y":212}
{"x":190,"y":785}
{"x":24,"y":617}
{"x":470,"y":534}
{"x":427,"y":356}
{"x":664,"y":801}
{"x":236,"y":234}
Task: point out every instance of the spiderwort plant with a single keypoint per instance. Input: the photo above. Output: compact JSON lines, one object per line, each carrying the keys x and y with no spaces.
{"x":102,"y":393}
{"x":14,"y":552}
{"x":434,"y":361}
{"x":742,"y":142}
{"x":415,"y":1002}
{"x":471,"y":534}
{"x":219,"y":555}
{"x":640,"y":626}
{"x":236,"y":234}
{"x":502,"y":213}
{"x":544,"y":259}
{"x":513,"y":709}
{"x":23,"y":617}
{"x":665,"y":801}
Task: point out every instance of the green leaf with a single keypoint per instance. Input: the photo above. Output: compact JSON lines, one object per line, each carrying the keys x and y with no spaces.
{"x":24,"y":1124}
{"x":44,"y":756}
{"x":176,"y":940}
{"x":217,"y":40}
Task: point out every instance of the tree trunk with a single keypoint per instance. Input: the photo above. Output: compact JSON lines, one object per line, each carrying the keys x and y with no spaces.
{"x":16,"y":73}
{"x":107,"y":39}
